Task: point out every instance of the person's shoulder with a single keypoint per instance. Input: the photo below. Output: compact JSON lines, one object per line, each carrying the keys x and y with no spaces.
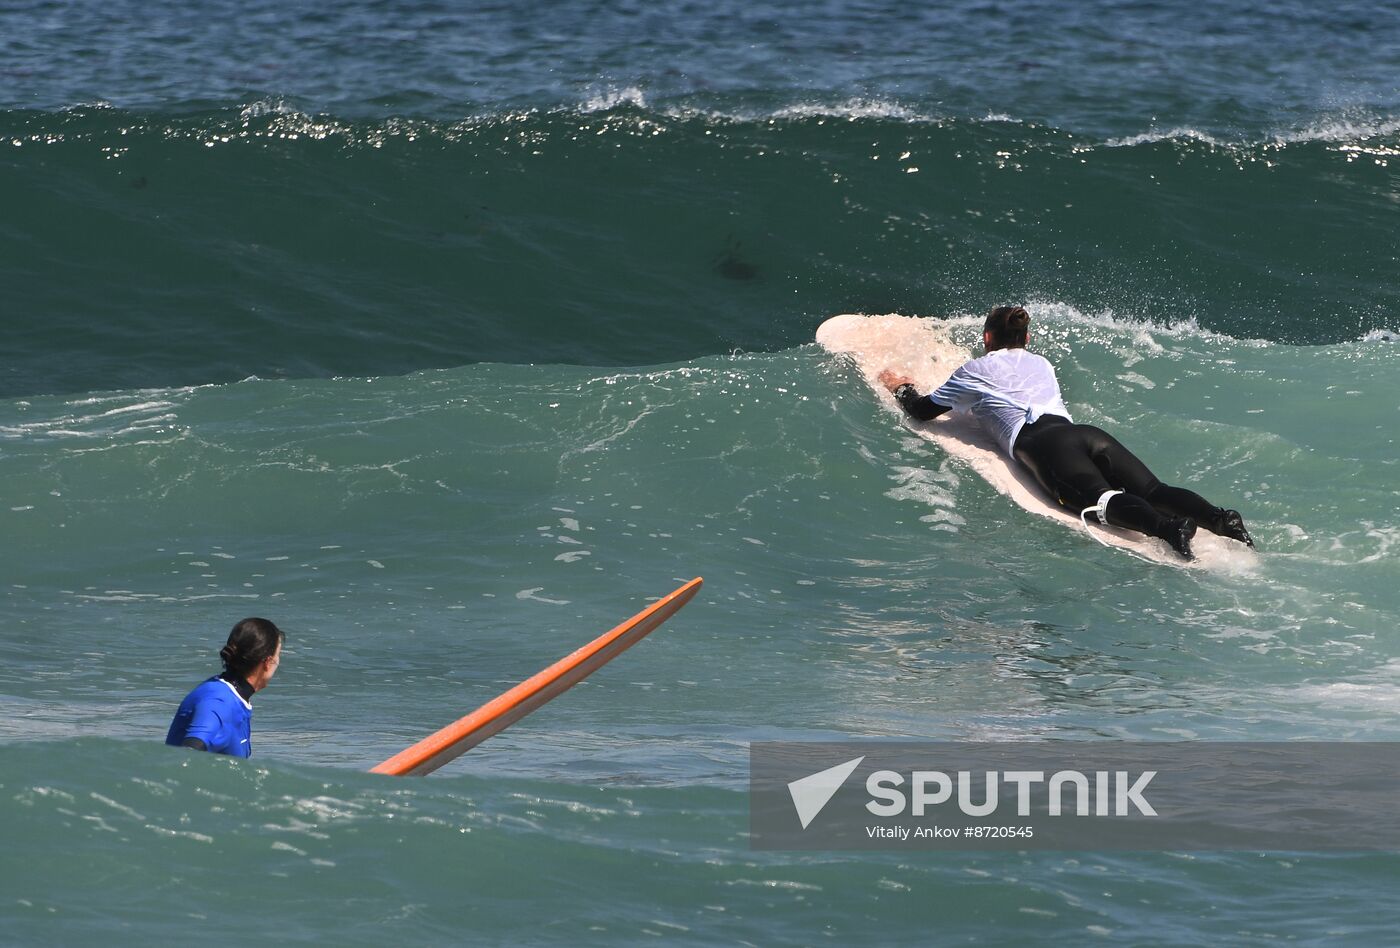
{"x":202,"y":695}
{"x":1035,"y":358}
{"x":1001,"y":361}
{"x":980,"y":364}
{"x":215,"y":690}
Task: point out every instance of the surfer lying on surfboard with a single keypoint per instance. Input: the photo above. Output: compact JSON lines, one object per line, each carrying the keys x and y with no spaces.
{"x":1016,"y":397}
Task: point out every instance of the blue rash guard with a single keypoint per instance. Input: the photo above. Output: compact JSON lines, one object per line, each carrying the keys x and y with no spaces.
{"x":218,"y":716}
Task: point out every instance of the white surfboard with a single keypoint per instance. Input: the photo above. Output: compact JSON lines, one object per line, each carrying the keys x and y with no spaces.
{"x":923,"y":350}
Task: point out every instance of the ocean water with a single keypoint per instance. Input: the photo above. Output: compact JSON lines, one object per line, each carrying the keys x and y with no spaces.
{"x":447,"y":337}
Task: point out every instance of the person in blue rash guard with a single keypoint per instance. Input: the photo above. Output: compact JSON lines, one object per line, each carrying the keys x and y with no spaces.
{"x":217,"y":716}
{"x":1016,"y":397}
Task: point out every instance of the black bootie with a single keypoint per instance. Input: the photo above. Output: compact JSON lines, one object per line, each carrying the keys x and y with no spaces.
{"x":1229,"y":523}
{"x":1178,"y":531}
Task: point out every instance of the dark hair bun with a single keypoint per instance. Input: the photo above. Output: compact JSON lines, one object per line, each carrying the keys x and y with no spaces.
{"x":1007,"y":324}
{"x":251,"y":641}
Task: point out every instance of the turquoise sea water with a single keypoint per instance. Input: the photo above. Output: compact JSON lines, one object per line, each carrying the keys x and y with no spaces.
{"x":447,"y":339}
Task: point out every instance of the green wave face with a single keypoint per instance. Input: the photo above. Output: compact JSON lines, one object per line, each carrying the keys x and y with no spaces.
{"x":156,"y":250}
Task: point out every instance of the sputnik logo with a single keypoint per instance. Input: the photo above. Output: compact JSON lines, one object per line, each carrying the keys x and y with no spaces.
{"x":811,"y":794}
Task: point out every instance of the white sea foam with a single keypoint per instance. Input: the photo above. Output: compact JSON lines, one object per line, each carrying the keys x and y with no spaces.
{"x":613,"y":98}
{"x":1340,"y":130}
{"x":530,"y":594}
{"x":1053,"y":311}
{"x":1181,"y":133}
{"x":119,"y":807}
{"x":136,"y":419}
{"x":1109,"y":319}
{"x":268,"y":106}
{"x":851,"y":110}
{"x":929,"y":488}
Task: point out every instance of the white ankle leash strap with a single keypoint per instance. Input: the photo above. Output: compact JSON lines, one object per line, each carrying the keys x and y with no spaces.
{"x":1099,"y":510}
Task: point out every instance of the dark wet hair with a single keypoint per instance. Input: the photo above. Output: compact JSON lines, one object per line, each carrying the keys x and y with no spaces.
{"x":1007,"y":324}
{"x":251,"y":642}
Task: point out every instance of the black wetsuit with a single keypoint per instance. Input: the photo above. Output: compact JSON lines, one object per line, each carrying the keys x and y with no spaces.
{"x":1077,"y":464}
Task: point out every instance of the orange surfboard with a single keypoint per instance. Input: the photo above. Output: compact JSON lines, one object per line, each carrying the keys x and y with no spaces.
{"x":501,"y":712}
